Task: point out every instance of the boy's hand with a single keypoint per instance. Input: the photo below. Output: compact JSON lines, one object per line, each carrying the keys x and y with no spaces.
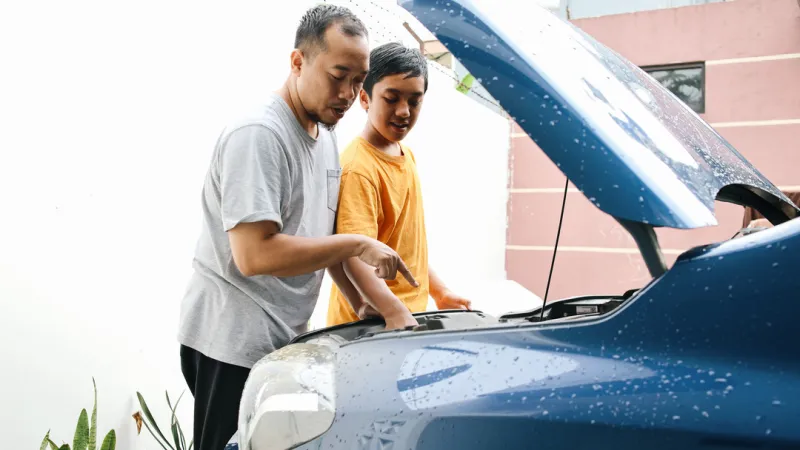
{"x":400,"y":321}
{"x":450,"y":300}
{"x":395,"y":321}
{"x":366,"y":311}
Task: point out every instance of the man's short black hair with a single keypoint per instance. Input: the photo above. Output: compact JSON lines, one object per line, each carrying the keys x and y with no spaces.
{"x":392,"y":59}
{"x":310,"y":36}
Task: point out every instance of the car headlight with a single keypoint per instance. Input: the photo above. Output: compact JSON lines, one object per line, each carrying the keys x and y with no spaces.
{"x":288,"y":398}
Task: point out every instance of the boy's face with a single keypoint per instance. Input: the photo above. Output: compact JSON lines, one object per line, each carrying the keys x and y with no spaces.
{"x":395,"y":105}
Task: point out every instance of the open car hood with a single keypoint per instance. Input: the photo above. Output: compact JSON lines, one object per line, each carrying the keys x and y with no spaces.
{"x":635,"y":151}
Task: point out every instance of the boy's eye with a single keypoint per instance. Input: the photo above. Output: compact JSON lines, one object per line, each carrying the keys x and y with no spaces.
{"x":390,"y":100}
{"x":414,"y":104}
{"x":337,"y":78}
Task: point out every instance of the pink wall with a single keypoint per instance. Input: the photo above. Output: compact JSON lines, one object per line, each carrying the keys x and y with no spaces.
{"x":595,"y":254}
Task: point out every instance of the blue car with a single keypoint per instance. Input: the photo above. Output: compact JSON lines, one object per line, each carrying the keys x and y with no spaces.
{"x":705,"y":356}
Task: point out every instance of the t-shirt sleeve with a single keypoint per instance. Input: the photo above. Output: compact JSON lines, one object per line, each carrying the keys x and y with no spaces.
{"x":254,"y":177}
{"x":359,"y":206}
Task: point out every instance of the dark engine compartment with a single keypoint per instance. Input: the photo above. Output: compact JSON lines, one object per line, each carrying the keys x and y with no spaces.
{"x":449,"y":320}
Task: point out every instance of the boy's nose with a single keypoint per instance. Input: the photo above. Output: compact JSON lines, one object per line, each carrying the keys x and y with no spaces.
{"x":403,"y":111}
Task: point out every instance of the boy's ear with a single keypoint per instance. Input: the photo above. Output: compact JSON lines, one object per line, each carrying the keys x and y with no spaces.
{"x":364,"y":98}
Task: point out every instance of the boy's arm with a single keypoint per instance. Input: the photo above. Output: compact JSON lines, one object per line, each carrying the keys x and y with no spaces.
{"x":359,"y":212}
{"x":346,"y":287}
{"x":444,"y":297}
{"x":378,"y":295}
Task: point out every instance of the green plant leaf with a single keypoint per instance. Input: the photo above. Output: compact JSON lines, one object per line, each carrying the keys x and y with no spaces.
{"x":175,"y":436}
{"x":53,"y":445}
{"x":81,"y":439}
{"x":45,"y":440}
{"x":149,"y":417}
{"x":150,"y":430}
{"x":176,"y":403}
{"x":175,"y":421}
{"x":191,"y":444}
{"x":64,"y":447}
{"x":110,"y":441}
{"x":93,"y":426}
{"x":183,"y":438}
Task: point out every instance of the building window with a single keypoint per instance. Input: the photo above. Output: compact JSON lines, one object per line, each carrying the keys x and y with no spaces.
{"x":686,"y":81}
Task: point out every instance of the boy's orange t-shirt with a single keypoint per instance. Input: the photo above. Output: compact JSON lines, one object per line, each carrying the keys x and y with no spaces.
{"x":380,"y":197}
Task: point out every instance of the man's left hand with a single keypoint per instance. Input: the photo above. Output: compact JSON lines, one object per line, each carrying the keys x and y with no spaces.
{"x":453,"y":301}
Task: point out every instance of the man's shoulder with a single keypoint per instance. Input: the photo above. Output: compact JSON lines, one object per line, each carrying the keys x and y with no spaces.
{"x":267,"y":115}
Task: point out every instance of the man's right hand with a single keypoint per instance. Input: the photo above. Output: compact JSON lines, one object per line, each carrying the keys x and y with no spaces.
{"x":385,"y":260}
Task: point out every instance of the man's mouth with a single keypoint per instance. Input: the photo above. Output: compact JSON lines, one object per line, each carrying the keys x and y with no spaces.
{"x":339,"y":112}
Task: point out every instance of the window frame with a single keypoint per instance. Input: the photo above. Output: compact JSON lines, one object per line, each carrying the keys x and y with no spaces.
{"x":687,"y":65}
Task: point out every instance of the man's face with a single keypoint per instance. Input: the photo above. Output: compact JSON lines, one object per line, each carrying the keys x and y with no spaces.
{"x":395,"y":105}
{"x":330,"y":80}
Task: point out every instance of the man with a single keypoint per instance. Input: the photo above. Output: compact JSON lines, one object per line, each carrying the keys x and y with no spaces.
{"x":381,"y":195}
{"x":269,"y":205}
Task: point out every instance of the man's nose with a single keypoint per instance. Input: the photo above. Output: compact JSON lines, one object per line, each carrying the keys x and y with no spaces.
{"x":348,"y":93}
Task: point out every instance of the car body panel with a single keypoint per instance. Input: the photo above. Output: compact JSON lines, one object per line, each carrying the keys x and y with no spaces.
{"x":703,"y":357}
{"x":634,"y":149}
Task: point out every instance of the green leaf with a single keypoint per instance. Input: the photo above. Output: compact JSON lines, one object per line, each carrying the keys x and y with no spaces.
{"x":175,"y":421}
{"x":149,"y":417}
{"x":81,"y":438}
{"x":179,"y":400}
{"x":183,"y":438}
{"x":93,"y":427}
{"x":110,"y":441}
{"x":175,"y":436}
{"x":45,"y":440}
{"x":53,"y":445}
{"x":191,"y":444}
{"x":147,"y":425}
{"x":64,"y":447}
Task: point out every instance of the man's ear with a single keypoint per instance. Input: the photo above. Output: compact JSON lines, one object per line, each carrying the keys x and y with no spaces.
{"x":296,"y":62}
{"x":364,"y":98}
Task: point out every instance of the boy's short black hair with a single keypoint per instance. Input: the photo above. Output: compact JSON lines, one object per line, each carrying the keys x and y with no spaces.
{"x":310,"y":35}
{"x":392,"y":59}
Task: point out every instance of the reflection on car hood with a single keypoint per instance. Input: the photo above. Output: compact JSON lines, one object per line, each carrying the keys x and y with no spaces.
{"x":633,"y":149}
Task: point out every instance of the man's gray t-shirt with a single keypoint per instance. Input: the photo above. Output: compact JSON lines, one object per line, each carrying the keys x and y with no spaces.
{"x":264,"y":167}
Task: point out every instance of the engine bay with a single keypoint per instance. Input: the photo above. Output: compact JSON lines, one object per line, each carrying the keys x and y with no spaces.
{"x":449,"y":320}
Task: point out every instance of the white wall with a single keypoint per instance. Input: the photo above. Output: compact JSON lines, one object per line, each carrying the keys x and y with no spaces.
{"x":108,"y":116}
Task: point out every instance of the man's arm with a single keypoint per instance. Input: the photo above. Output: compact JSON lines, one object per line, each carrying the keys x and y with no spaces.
{"x":259,"y":249}
{"x":444,"y":297}
{"x":254,"y":187}
{"x":377,"y":294}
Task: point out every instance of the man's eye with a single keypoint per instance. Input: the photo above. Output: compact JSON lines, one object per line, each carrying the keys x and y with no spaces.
{"x":414,"y":104}
{"x":390,"y":100}
{"x":337,"y":78}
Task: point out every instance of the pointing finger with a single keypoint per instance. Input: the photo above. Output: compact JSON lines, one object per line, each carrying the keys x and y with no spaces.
{"x":406,"y":273}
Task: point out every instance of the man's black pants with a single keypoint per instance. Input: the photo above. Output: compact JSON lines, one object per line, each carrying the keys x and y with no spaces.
{"x":217,"y":389}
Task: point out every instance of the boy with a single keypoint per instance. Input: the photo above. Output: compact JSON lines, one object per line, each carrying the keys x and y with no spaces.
{"x":380,"y":195}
